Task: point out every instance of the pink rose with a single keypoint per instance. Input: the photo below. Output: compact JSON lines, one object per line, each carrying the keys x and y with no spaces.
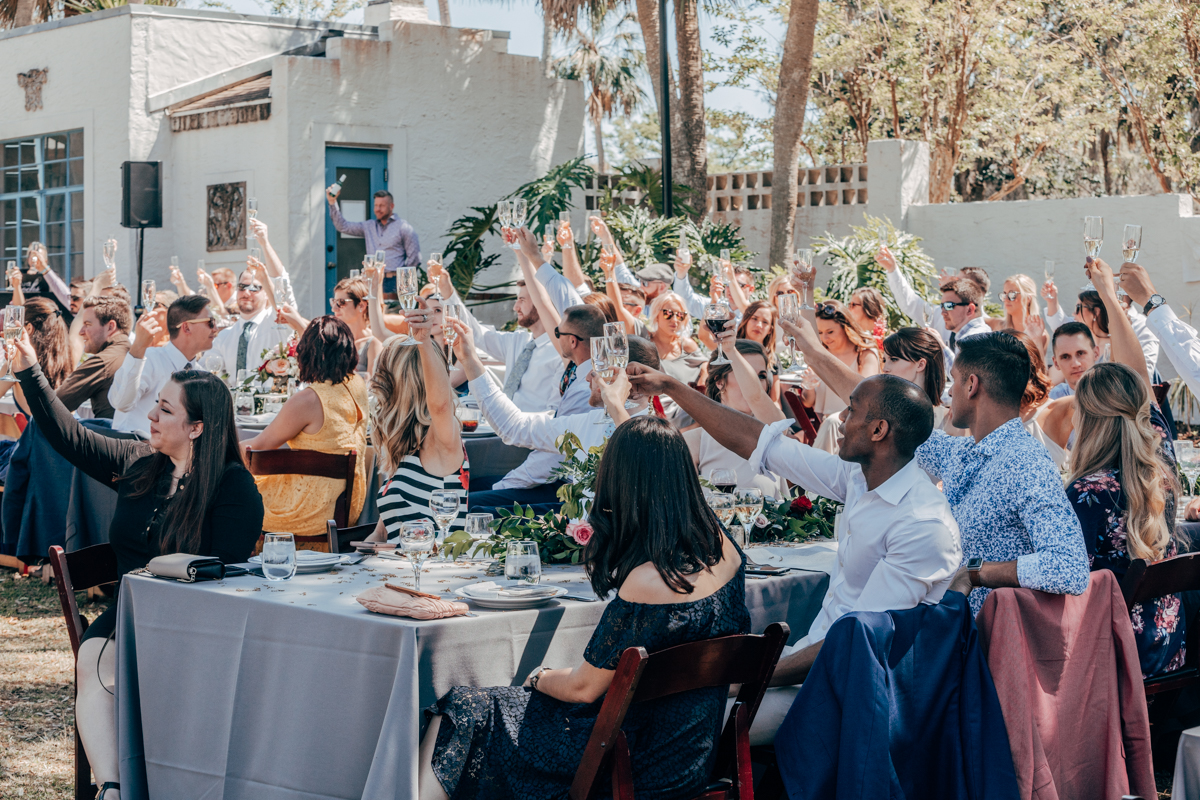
{"x":580,"y":531}
{"x":278,"y":366}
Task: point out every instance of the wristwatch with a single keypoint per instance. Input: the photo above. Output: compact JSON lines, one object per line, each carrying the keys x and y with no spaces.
{"x":537,"y":673}
{"x":1156,"y":300}
{"x":973,"y":567}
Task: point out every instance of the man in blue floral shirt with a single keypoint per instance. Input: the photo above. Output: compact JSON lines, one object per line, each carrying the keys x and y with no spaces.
{"x":1017,"y":526}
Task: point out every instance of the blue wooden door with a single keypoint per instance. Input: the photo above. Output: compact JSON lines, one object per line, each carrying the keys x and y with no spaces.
{"x":366,"y":173}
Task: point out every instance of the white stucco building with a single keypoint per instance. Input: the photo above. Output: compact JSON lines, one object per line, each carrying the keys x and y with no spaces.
{"x":273,"y":108}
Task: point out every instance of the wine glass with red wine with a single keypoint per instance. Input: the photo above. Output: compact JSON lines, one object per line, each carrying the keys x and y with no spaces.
{"x":716,"y":317}
{"x":723,"y":480}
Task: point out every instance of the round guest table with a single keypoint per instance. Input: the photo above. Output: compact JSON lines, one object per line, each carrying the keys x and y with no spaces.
{"x":248,"y":688}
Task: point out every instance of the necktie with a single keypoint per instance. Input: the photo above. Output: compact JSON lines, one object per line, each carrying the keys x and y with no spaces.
{"x":952,"y":336}
{"x":513,"y":380}
{"x":567,"y":379}
{"x":243,"y":344}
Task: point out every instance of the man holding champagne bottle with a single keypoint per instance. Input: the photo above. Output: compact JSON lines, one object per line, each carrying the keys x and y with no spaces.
{"x":386,"y":232}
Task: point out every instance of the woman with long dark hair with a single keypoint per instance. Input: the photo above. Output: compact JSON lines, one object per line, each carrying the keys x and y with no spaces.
{"x":48,"y":335}
{"x":916,"y":355}
{"x":186,"y":490}
{"x":678,"y":579}
{"x":329,"y":416}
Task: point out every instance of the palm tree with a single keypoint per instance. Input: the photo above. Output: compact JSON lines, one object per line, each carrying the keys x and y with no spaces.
{"x":609,"y":67}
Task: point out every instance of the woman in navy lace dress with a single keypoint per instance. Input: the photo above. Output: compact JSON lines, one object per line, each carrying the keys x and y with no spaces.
{"x":1122,"y":488}
{"x":678,"y":579}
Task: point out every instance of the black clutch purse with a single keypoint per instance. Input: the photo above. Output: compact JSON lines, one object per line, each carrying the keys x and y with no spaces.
{"x":186,"y":567}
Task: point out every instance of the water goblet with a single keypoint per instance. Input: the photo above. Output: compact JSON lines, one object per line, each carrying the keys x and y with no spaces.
{"x":278,"y":556}
{"x":417,"y":540}
{"x":522,"y":562}
{"x":443,"y":504}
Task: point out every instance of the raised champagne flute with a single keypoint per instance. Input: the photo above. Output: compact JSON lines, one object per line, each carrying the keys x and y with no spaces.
{"x":602,"y":366}
{"x":417,"y":540}
{"x":434,"y":270}
{"x":443,"y":504}
{"x":789,"y":309}
{"x":1093,"y":240}
{"x":450,"y":311}
{"x":14,"y":324}
{"x":381,"y":258}
{"x":802,"y":268}
{"x":1131,"y":243}
{"x":618,"y":350}
{"x":716,"y":317}
{"x":367,"y":263}
{"x":149,"y":290}
{"x":252,"y":208}
{"x":504,"y":216}
{"x":520,"y":210}
{"x":564,"y":220}
{"x":110,"y":253}
{"x":406,"y":287}
{"x":548,"y":240}
{"x":1048,"y":269}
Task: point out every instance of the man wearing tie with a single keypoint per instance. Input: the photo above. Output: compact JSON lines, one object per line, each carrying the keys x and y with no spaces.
{"x":241,"y":345}
{"x":146,"y":369}
{"x":532,"y":365}
{"x":386,"y":232}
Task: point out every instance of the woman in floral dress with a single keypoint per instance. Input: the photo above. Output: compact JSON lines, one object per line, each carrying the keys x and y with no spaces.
{"x":1122,"y":487}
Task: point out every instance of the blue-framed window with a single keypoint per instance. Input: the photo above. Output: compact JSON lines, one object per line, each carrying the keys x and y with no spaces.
{"x":41,"y":199}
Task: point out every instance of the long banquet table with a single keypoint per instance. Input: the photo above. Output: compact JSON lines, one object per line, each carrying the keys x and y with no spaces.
{"x":247,"y":688}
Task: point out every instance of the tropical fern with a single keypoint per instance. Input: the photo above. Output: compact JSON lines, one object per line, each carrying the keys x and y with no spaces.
{"x":551,"y":194}
{"x":852,"y":261}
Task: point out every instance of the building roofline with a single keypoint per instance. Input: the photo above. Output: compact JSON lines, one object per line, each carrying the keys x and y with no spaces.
{"x":355,"y":31}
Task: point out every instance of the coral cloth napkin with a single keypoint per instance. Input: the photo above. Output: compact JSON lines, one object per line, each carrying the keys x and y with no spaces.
{"x":400,"y":601}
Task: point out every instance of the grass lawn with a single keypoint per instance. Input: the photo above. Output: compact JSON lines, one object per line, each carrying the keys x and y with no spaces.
{"x":36,"y":689}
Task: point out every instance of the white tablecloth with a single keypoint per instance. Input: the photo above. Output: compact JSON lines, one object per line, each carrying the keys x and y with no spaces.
{"x":247,"y":688}
{"x":1187,"y":766}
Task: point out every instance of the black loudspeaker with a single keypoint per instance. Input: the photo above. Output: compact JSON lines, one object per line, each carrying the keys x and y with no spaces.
{"x":141,"y":194}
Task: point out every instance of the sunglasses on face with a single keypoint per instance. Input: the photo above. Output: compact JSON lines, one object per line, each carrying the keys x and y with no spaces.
{"x":949,"y":305}
{"x":669,"y":314}
{"x":249,"y":287}
{"x":209,"y":321}
{"x":559,"y":334}
{"x":222,"y":283}
{"x":336,"y":303}
{"x":635,"y":307}
{"x":1009,"y":296}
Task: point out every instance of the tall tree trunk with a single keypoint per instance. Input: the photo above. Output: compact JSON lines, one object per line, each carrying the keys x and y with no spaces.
{"x":693,"y":151}
{"x":444,"y":12}
{"x":794,"y":77}
{"x":647,"y":14}
{"x":24,"y":14}
{"x":600,"y":145}
{"x":547,"y":47}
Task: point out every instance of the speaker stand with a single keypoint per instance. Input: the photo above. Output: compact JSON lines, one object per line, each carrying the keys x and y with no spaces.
{"x":138,"y":309}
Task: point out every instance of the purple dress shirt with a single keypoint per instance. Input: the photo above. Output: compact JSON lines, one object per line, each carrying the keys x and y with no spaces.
{"x":397,"y":239}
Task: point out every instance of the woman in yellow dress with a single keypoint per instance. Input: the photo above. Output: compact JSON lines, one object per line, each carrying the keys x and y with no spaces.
{"x":330,"y":416}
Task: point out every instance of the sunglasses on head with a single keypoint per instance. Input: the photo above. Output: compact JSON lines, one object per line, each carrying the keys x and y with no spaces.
{"x":827,"y":311}
{"x":669,"y":314}
{"x":249,"y":287}
{"x":950,"y":305}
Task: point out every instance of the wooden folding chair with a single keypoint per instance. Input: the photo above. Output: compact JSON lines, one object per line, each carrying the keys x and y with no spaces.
{"x":748,"y":660}
{"x":78,"y":572}
{"x":310,"y":462}
{"x":340,"y":538}
{"x":800,"y":412}
{"x":1145,"y":581}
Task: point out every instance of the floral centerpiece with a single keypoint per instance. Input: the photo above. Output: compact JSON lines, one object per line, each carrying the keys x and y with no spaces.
{"x":561,"y":537}
{"x":279,"y":365}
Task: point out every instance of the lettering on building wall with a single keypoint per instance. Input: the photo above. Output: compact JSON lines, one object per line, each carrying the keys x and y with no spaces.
{"x":32,"y":83}
{"x":227,"y":216}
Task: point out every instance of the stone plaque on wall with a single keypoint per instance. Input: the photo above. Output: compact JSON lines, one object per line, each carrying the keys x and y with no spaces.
{"x":227,"y":216}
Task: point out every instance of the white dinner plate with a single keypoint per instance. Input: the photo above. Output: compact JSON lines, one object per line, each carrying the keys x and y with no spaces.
{"x":309,"y":561}
{"x":509,"y":595}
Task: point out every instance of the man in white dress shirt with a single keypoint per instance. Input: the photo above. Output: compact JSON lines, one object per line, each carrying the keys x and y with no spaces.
{"x":146,"y":370}
{"x":541,"y":432}
{"x":532,"y":483}
{"x":242,"y":344}
{"x":532,"y":363}
{"x":898,"y":543}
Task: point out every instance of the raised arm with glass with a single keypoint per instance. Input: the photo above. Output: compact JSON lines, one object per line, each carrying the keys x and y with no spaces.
{"x":14,"y":326}
{"x":603,"y":367}
{"x":803,"y":270}
{"x":1093,"y":240}
{"x":406,"y":287}
{"x":716,"y":317}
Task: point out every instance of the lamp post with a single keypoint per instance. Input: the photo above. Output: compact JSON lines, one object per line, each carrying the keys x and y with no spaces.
{"x":664,"y":116}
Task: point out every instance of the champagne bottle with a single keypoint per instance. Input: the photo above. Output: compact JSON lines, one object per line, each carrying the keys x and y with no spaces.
{"x":336,"y":189}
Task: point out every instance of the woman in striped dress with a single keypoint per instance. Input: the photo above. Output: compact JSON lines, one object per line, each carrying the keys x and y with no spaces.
{"x":418,"y":437}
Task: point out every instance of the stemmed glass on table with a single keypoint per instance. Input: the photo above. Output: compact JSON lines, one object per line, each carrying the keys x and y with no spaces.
{"x":14,"y":325}
{"x":443,"y":504}
{"x":802,"y":268}
{"x":716,"y":316}
{"x":723,"y":505}
{"x":748,"y":504}
{"x":417,"y":541}
{"x":1188,"y":459}
{"x":1093,"y":240}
